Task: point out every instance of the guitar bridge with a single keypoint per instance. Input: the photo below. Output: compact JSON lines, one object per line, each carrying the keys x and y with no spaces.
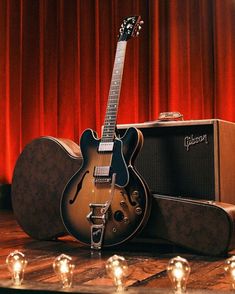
{"x":102,"y":180}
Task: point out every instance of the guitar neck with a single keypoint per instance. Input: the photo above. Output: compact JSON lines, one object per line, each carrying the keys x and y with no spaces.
{"x":114,"y":94}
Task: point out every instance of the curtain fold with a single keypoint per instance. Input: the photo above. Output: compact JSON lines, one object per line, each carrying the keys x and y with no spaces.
{"x":56,"y":59}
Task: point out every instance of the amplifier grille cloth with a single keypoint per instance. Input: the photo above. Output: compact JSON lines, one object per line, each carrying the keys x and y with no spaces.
{"x":169,"y":169}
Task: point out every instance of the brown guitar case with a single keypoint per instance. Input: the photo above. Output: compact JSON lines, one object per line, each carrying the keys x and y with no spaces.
{"x":40,"y":175}
{"x":205,"y":227}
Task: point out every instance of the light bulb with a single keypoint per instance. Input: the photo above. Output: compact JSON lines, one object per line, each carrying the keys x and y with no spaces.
{"x":64,"y":268}
{"x":178,"y":270}
{"x":117,"y":269}
{"x":230,"y":269}
{"x":16,"y":263}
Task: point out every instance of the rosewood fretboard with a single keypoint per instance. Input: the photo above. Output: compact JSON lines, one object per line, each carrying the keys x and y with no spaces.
{"x":114,"y":94}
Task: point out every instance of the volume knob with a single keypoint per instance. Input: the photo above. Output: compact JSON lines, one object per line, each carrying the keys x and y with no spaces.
{"x":123,"y":204}
{"x":138,"y":210}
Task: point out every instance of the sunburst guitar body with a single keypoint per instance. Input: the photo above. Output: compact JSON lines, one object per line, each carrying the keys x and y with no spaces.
{"x":90,"y":192}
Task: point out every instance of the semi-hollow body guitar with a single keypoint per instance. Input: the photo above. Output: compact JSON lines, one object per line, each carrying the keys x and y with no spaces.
{"x":107,"y":202}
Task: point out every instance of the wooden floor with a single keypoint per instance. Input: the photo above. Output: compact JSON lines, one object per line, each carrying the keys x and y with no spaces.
{"x":147,"y":264}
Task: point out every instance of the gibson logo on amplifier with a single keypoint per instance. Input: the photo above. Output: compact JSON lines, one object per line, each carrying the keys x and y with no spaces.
{"x":191,"y":140}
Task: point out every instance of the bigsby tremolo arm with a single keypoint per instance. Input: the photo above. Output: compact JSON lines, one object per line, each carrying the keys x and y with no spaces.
{"x":98,"y":216}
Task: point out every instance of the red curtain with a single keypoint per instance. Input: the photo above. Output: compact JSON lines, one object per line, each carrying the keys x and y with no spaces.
{"x":56,"y":59}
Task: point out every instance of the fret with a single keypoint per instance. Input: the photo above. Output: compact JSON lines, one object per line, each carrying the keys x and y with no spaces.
{"x":119,"y":64}
{"x":112,"y":99}
{"x":108,"y":135}
{"x":112,"y":109}
{"x":110,"y":125}
{"x":108,"y":128}
{"x":115,"y":83}
{"x":116,"y":77}
{"x":108,"y":132}
{"x":112,"y":113}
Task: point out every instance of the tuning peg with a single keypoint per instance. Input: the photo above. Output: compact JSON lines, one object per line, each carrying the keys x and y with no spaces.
{"x":141,"y":22}
{"x":137,"y":34}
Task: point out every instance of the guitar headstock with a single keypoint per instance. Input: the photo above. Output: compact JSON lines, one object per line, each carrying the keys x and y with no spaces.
{"x":130,"y":27}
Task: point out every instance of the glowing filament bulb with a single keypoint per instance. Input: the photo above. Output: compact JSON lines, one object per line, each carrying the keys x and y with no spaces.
{"x":117,"y":269}
{"x":230,"y":270}
{"x":16,"y":263}
{"x":178,"y":270}
{"x":64,"y":268}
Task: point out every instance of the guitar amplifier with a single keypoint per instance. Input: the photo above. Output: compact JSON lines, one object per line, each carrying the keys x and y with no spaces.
{"x":193,"y":159}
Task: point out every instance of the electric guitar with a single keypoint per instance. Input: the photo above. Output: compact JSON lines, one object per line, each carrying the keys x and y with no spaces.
{"x":106,"y":202}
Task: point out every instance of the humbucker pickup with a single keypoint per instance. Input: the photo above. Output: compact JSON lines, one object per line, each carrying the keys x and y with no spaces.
{"x":102,"y":171}
{"x":105,"y":146}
